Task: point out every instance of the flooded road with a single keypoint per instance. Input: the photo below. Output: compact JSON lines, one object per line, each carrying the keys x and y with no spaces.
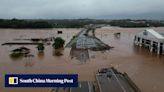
{"x":144,"y":68}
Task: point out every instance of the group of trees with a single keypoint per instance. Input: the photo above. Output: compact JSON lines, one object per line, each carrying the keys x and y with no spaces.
{"x":65,"y":23}
{"x":136,"y":23}
{"x":58,"y":46}
{"x":15,"y":23}
{"x":76,"y":23}
{"x":127,"y":23}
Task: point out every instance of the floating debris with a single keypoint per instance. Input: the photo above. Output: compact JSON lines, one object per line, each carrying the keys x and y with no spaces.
{"x":60,"y":32}
{"x":117,"y":35}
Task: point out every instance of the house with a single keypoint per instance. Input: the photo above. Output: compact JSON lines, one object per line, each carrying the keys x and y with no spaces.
{"x":22,"y":50}
{"x":150,"y":39}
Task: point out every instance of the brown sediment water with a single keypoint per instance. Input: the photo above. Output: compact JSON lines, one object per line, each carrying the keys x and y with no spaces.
{"x":144,"y":68}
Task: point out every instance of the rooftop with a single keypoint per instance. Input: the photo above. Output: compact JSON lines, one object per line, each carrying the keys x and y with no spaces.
{"x":111,"y":79}
{"x":155,"y":33}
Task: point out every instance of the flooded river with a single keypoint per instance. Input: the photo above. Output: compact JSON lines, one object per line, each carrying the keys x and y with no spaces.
{"x":144,"y":68}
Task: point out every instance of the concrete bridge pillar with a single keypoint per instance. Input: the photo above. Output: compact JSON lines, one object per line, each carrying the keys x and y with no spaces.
{"x":151,"y":46}
{"x":144,"y":42}
{"x":158,"y":48}
{"x":163,"y":49}
{"x":135,"y":40}
{"x":140,"y":43}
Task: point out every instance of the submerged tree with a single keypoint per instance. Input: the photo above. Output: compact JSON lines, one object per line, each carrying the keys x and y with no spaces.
{"x":58,"y":45}
{"x":40,"y":47}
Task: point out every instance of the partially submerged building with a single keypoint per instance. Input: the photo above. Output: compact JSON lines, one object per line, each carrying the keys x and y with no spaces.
{"x":79,"y":54}
{"x":21,"y":50}
{"x":86,"y":40}
{"x":151,"y":39}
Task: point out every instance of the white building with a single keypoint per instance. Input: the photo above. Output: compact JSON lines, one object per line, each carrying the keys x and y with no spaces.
{"x":151,"y":39}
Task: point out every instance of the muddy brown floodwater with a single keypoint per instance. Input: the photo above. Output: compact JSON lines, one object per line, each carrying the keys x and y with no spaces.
{"x":144,"y":68}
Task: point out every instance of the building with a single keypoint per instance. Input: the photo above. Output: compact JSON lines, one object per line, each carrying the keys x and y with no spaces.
{"x":150,"y":39}
{"x":110,"y":80}
{"x":21,"y":50}
{"x":86,"y":39}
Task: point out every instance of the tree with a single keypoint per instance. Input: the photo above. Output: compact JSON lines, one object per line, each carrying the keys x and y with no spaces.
{"x":40,"y":47}
{"x":58,"y":43}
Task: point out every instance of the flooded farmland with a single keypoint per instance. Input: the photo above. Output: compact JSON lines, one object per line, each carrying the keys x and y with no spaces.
{"x":144,"y":68}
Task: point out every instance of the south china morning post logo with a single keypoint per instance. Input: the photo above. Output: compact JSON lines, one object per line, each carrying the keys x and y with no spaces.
{"x":13,"y":80}
{"x":41,"y":80}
